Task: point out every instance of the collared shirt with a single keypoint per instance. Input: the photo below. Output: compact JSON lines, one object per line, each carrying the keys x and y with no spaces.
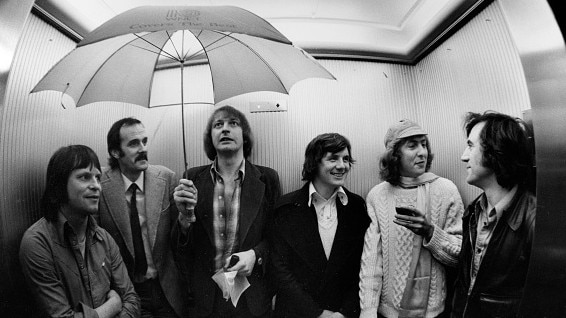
{"x":326,"y":214}
{"x":226,"y":213}
{"x":63,"y":281}
{"x":142,"y":214}
{"x":486,"y":221}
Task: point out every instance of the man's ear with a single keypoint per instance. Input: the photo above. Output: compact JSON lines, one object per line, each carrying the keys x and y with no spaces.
{"x":115,"y":154}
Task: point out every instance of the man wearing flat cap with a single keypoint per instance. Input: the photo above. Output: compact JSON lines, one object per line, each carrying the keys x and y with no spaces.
{"x":415,"y":231}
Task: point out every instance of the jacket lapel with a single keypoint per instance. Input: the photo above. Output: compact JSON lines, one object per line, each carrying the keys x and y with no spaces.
{"x":342,"y":238}
{"x":154,"y":187}
{"x":204,"y":210}
{"x":116,"y":205}
{"x":251,"y":195}
{"x":302,"y":232}
{"x":510,"y":220}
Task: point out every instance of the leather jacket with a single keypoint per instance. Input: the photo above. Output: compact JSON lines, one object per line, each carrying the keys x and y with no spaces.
{"x":500,"y":279}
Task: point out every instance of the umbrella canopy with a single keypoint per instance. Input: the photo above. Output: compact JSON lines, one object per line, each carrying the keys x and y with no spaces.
{"x":118,"y":60}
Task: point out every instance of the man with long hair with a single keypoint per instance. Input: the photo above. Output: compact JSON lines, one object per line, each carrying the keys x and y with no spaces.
{"x":415,"y":231}
{"x":72,"y":266}
{"x":227,"y":218}
{"x":498,"y":225}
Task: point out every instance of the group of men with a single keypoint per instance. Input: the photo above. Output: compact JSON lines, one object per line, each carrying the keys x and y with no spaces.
{"x":131,"y":240}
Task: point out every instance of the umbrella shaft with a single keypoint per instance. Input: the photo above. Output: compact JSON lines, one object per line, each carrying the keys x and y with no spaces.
{"x":183,"y":118}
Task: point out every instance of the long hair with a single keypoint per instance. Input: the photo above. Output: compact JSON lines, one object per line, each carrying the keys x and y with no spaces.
{"x":506,"y":147}
{"x":318,"y":147}
{"x":62,"y":163}
{"x":390,"y":161}
{"x":113,"y":139}
{"x":246,"y":131}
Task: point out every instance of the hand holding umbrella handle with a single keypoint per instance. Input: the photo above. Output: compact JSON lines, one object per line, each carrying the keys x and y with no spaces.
{"x":189,"y":213}
{"x":186,"y":196}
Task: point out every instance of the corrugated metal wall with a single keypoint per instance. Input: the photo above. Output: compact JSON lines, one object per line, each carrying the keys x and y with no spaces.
{"x":475,"y":70}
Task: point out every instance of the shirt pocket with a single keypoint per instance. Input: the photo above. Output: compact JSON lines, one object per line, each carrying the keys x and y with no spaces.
{"x":100,"y":273}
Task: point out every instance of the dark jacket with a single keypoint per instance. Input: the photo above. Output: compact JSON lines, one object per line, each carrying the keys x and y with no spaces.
{"x":501,"y":277}
{"x":195,"y":251}
{"x":307,"y":283}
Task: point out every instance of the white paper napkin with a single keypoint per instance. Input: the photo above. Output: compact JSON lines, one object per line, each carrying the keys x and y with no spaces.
{"x":232,"y":285}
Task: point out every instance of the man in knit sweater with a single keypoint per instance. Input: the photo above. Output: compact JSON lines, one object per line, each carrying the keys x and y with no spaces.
{"x":405,"y":250}
{"x":499,"y":225}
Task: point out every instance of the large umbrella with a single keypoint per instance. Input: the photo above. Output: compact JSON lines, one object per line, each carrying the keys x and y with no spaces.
{"x":118,"y":60}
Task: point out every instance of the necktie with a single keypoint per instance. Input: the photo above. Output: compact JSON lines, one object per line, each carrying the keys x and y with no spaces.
{"x":140,"y":263}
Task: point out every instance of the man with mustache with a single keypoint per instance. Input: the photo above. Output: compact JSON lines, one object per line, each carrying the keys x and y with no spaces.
{"x":137,"y":209}
{"x":230,"y":215}
{"x":72,"y":266}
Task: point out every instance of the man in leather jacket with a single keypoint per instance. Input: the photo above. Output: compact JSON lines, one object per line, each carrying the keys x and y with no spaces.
{"x":498,"y":226}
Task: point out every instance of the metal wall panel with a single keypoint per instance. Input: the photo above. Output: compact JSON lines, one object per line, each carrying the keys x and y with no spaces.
{"x":541,"y":45}
{"x":477,"y":69}
{"x":360,"y":104}
{"x":13,"y":15}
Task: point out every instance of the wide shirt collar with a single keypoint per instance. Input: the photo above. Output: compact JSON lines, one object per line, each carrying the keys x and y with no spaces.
{"x":338,"y":192}
{"x":214,"y":174}
{"x":139,"y":182}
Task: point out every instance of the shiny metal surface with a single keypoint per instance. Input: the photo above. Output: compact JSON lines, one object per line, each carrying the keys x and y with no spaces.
{"x":13,"y":14}
{"x":543,"y":55}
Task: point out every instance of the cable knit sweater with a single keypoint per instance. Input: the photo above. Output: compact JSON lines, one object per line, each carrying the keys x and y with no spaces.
{"x":388,"y":247}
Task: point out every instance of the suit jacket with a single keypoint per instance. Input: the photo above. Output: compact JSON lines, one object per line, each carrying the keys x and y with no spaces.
{"x":159,"y":184}
{"x":307,"y":282}
{"x":195,"y":250}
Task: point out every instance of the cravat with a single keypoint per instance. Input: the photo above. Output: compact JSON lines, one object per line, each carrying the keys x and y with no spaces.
{"x":140,"y":263}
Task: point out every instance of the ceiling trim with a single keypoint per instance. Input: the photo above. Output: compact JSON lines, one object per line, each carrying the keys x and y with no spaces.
{"x":56,"y":23}
{"x":446,"y":29}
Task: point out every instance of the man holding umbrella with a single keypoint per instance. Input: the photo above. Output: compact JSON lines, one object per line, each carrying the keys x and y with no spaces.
{"x":137,"y":210}
{"x":222,"y":229}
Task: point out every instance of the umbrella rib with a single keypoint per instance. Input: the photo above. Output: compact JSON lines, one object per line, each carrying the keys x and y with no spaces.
{"x":165,"y":54}
{"x":101,"y":65}
{"x":258,"y":56}
{"x":172,"y":43}
{"x":187,"y":53}
{"x":211,"y":44}
{"x":160,"y":50}
{"x":208,"y":50}
{"x":186,"y":103}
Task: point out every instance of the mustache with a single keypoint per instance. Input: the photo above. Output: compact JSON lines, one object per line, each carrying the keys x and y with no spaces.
{"x":142,"y":156}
